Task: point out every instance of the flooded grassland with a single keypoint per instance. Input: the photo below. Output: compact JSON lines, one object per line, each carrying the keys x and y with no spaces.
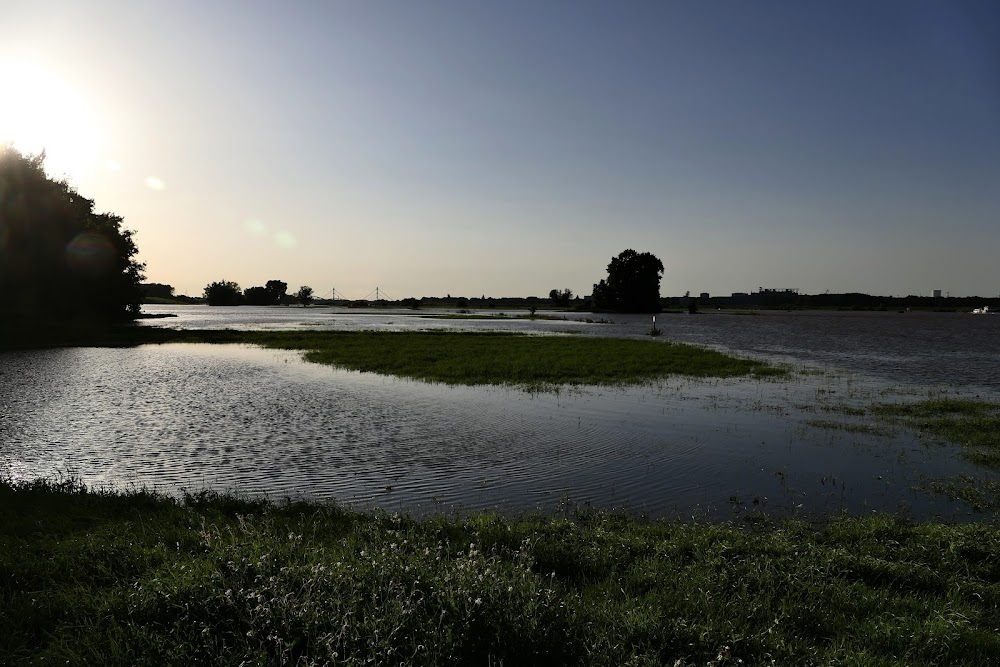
{"x":263,"y":421}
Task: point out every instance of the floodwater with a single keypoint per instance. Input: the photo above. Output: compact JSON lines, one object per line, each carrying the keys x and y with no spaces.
{"x":915,"y":348}
{"x":189,"y":417}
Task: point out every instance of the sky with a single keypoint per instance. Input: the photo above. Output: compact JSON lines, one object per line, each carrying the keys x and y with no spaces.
{"x":508,"y":148}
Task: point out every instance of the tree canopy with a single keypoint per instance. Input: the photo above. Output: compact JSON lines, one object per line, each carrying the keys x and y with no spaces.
{"x":223,"y":293}
{"x":59,"y":260}
{"x":632,"y":285}
{"x":277,"y":289}
{"x":304,"y":295}
{"x":561,"y":297}
{"x":157,"y":290}
{"x":272,"y":294}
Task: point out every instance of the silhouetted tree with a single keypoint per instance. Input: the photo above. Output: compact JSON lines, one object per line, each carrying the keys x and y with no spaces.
{"x":223,"y":293}
{"x":158,"y":290}
{"x":633,"y":284}
{"x":55,"y":249}
{"x":271,"y":294}
{"x":277,"y":289}
{"x":304,"y":295}
{"x":257,"y":296}
{"x":561,"y":298}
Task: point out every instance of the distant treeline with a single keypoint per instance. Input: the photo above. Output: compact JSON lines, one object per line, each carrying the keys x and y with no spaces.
{"x":158,"y":293}
{"x":848,"y":301}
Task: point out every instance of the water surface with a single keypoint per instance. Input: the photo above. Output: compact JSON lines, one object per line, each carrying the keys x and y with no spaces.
{"x":189,"y":417}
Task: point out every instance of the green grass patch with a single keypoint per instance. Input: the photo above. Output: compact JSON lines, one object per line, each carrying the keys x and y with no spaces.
{"x":511,"y":359}
{"x":103,"y":578}
{"x":974,"y":424}
{"x":980,"y":494}
{"x":847,"y":410}
{"x":534,"y":362}
{"x":850,"y":427}
{"x":460,"y":316}
{"x":499,"y":316}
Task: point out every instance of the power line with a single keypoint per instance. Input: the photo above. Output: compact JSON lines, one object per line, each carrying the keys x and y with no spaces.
{"x":380,"y":295}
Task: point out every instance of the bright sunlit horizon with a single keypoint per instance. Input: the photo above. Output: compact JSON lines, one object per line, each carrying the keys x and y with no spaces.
{"x":43,"y":113}
{"x":508,"y":149}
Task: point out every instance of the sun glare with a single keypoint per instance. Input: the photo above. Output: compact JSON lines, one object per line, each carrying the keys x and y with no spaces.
{"x":40,"y":111}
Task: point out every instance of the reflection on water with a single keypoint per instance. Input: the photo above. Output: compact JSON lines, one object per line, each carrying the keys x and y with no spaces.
{"x":230,"y":417}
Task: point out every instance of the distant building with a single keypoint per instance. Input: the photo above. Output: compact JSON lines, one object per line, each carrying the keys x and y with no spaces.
{"x":775,"y":297}
{"x":937,"y":294}
{"x":703,"y":296}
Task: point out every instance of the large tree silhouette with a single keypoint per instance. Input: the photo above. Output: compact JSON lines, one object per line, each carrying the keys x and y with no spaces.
{"x":304,"y":295}
{"x":59,"y":260}
{"x":223,"y":293}
{"x":277,"y":289}
{"x":272,"y":294}
{"x":632,"y":285}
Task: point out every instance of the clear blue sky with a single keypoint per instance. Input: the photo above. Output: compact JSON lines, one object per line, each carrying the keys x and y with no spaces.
{"x":509,"y":148}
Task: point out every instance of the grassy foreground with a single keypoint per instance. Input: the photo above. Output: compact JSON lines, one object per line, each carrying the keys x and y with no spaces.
{"x":100,"y":578}
{"x":470,"y":358}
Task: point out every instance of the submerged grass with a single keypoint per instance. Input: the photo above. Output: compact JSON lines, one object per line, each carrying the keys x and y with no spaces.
{"x":534,"y":362}
{"x":972,"y":423}
{"x":106,"y":578}
{"x":979,"y":493}
{"x":850,"y":427}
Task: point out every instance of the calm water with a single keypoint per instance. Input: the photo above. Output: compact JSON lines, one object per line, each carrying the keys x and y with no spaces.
{"x":258,"y":421}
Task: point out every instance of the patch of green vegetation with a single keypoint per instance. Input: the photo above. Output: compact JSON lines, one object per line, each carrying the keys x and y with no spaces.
{"x":531,"y":361}
{"x":980,"y":494}
{"x":972,"y":423}
{"x":104,"y":578}
{"x":460,"y":316}
{"x":850,"y":427}
{"x":500,"y":316}
{"x":534,"y":362}
{"x":848,"y":410}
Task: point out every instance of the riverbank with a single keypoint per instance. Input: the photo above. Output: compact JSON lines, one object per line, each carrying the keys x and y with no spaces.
{"x":467,"y":358}
{"x":115,"y":578}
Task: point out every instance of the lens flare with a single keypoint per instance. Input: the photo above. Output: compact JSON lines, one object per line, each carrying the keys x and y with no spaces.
{"x":255,"y":227}
{"x":285,"y":240}
{"x":90,"y":253}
